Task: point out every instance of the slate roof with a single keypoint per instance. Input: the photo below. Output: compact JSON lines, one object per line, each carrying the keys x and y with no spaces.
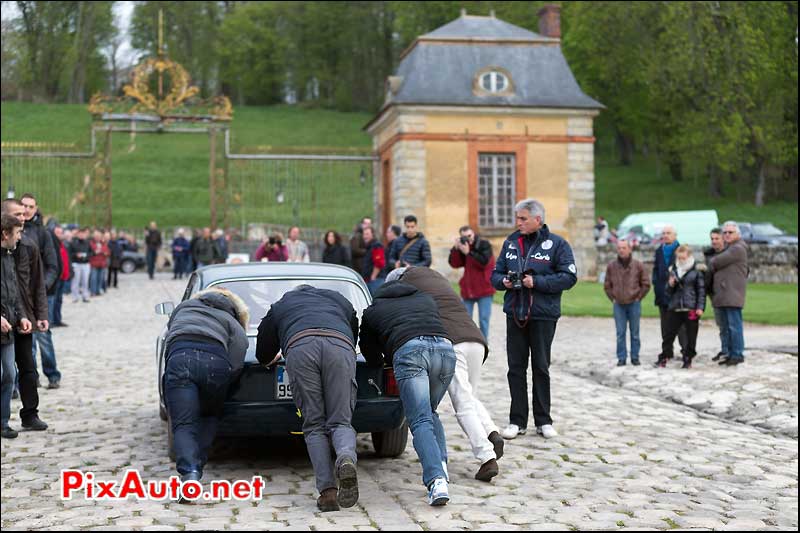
{"x":436,"y":72}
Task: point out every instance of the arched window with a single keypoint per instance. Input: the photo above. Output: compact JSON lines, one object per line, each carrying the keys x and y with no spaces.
{"x":494,"y":81}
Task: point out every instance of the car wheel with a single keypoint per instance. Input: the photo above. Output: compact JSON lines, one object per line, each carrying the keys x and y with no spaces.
{"x":391,"y":443}
{"x":128,"y":267}
{"x":170,"y":442}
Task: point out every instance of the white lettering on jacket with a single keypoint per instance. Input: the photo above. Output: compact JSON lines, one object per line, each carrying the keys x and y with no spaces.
{"x":510,"y":256}
{"x":539,"y":257}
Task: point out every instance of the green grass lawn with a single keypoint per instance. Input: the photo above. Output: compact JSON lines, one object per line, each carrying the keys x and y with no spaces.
{"x":166,"y":176}
{"x":766,"y":303}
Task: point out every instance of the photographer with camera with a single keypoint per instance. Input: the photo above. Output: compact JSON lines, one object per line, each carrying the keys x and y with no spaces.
{"x":475,"y":255}
{"x":273,"y":249}
{"x":534,"y":267}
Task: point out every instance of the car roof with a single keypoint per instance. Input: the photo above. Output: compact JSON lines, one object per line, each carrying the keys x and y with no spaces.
{"x":212,"y":273}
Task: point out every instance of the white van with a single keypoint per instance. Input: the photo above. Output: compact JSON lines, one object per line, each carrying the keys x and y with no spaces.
{"x":692,"y":227}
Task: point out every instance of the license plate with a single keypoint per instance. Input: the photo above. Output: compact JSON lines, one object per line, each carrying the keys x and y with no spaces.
{"x":283,"y":386}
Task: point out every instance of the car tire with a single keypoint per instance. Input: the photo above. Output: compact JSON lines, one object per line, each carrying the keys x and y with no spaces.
{"x":170,"y":442}
{"x":128,"y":266}
{"x":391,"y":443}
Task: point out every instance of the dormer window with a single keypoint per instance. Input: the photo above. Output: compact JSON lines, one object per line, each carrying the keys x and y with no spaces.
{"x":493,"y":81}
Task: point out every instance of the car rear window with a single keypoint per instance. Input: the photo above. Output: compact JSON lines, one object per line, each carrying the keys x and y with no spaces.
{"x":259,"y":295}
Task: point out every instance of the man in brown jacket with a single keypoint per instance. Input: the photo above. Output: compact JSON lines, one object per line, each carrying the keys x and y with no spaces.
{"x":32,"y":293}
{"x":625,"y":285}
{"x":730,"y":283}
{"x":471,"y":351}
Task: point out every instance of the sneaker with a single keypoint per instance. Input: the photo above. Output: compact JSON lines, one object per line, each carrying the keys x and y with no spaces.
{"x":547,"y":431}
{"x":635,"y":362}
{"x":621,"y":363}
{"x":720,"y":355}
{"x":487,"y":471}
{"x":498,"y":443}
{"x":511,"y":431}
{"x":54,"y":384}
{"x":347,"y":477}
{"x":438,"y":494}
{"x":34,"y":424}
{"x":86,"y":300}
{"x":8,"y":433}
{"x":661,"y":363}
{"x":686,"y":365}
{"x":327,"y":501}
{"x":732,"y":361}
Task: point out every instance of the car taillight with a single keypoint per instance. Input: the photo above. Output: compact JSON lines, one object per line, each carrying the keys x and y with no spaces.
{"x":390,"y":383}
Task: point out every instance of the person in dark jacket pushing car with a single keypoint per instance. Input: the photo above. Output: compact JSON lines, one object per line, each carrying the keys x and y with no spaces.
{"x":205,"y":345}
{"x":316,"y":329}
{"x":403,"y":326}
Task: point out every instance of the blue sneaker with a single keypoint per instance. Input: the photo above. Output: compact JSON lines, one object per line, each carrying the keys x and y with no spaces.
{"x":438,"y":495}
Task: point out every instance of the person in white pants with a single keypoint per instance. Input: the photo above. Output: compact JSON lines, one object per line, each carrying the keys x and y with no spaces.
{"x":80,"y":281}
{"x":471,"y":350}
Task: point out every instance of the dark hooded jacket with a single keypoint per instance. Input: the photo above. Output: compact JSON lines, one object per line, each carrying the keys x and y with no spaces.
{"x":35,"y":230}
{"x":460,"y":327}
{"x":415,"y":252}
{"x":302,"y":309}
{"x":11,"y":303}
{"x":399,"y":313}
{"x":211,"y":318}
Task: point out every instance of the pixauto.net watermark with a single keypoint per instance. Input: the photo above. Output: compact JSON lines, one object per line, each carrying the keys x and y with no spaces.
{"x":79,"y":484}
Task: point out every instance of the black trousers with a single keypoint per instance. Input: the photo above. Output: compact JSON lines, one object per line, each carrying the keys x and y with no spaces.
{"x":677,"y":322}
{"x":112,"y":274}
{"x":531,"y":342}
{"x":28,"y":376}
{"x":663,"y":312}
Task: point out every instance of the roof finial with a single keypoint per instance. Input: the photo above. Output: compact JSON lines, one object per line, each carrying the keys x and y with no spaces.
{"x":463,"y":11}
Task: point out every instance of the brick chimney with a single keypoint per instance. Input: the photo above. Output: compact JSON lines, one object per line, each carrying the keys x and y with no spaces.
{"x":550,"y":21}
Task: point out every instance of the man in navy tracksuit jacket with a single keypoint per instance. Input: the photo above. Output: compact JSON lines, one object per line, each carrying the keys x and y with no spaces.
{"x":547,"y":267}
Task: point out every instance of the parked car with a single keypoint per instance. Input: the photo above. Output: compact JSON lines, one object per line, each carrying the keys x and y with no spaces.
{"x":260,"y":400}
{"x":765,"y":233}
{"x":131,"y":261}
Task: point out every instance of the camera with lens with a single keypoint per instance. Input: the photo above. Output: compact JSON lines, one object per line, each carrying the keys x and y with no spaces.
{"x":515,"y":278}
{"x":274,"y":240}
{"x":464,"y":240}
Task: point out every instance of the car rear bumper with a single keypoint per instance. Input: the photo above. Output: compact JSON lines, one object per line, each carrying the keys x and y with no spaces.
{"x":281,"y":418}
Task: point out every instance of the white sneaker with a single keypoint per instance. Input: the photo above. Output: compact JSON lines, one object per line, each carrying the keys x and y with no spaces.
{"x":511,"y":431}
{"x":438,"y":494}
{"x":547,"y":431}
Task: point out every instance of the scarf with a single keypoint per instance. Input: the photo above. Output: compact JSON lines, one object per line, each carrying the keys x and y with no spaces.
{"x":682,"y":267}
{"x":668,"y":250}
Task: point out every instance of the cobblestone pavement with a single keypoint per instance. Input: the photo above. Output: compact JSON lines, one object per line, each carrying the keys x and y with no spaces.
{"x":627,"y":457}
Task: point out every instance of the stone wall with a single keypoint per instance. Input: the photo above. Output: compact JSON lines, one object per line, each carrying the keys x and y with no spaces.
{"x":768,"y":264}
{"x":581,"y":196}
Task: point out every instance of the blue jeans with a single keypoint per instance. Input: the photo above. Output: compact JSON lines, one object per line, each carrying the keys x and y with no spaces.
{"x":375,"y":284}
{"x":424,"y":367}
{"x":734,"y":331}
{"x":9,"y":375}
{"x":722,"y":324}
{"x":624,"y":315}
{"x":152,"y":255}
{"x":95,"y":281}
{"x":104,"y":279}
{"x":195,"y":386}
{"x":484,"y":312}
{"x":45,"y":343}
{"x":54,"y":303}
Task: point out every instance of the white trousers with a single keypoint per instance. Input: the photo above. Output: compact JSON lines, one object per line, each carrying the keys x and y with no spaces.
{"x":472,"y":416}
{"x":80,"y":280}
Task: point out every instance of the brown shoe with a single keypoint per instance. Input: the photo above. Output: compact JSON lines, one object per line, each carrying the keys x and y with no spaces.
{"x":498,"y":443}
{"x":487,"y":471}
{"x":327,"y":501}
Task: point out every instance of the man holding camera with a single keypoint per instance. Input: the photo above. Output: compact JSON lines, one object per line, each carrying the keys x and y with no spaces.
{"x":475,"y":255}
{"x":534,"y":267}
